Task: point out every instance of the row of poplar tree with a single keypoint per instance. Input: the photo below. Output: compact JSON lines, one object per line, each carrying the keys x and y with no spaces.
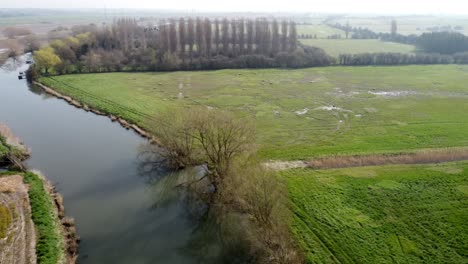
{"x":205,"y":37}
{"x":179,"y":44}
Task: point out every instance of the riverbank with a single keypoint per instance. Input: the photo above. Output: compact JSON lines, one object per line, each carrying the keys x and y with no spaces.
{"x":124,"y":123}
{"x":33,"y":226}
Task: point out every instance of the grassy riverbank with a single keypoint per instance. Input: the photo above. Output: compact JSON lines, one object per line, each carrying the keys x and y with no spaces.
{"x":301,"y":113}
{"x":389,"y":214}
{"x":47,"y":232}
{"x":50,"y":246}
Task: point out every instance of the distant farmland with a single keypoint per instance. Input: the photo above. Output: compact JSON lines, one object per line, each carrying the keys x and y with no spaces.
{"x":335,"y":47}
{"x":320,"y":30}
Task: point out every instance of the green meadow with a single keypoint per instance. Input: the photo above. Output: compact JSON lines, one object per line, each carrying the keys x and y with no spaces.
{"x":390,"y":214}
{"x":302,"y":113}
{"x":335,"y":47}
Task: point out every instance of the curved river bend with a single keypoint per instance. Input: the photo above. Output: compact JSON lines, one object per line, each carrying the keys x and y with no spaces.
{"x":93,"y":163}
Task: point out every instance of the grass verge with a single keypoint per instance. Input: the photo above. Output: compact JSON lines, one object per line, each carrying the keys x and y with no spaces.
{"x":49,"y":247}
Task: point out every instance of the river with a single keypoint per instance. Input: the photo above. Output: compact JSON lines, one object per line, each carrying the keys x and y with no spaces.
{"x":93,"y":162}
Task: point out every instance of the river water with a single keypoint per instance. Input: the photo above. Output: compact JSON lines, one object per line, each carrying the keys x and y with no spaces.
{"x":93,"y":162}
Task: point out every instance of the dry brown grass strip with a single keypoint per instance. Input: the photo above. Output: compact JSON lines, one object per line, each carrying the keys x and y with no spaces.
{"x":419,"y":157}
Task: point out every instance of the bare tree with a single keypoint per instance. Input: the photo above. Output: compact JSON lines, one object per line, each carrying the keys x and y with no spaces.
{"x":225,"y":37}
{"x":275,"y":43}
{"x":250,"y":36}
{"x":216,"y":34}
{"x":191,"y":35}
{"x":200,"y":37}
{"x":208,"y":38}
{"x":394,"y":28}
{"x":234,"y":35}
{"x":173,"y":36}
{"x":292,"y":36}
{"x":284,"y":36}
{"x":182,"y":36}
{"x":347,"y":28}
{"x":12,"y":32}
{"x":241,"y":27}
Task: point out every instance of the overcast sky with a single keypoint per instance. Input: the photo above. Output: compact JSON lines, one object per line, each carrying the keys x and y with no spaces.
{"x":336,"y":6}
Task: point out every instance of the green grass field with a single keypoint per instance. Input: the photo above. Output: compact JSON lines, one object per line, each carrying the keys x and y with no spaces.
{"x":335,"y":47}
{"x":321,"y":30}
{"x":393,"y":214}
{"x":302,"y":113}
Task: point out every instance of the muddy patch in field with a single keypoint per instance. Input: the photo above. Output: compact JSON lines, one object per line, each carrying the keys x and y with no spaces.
{"x":302,"y":112}
{"x":390,"y":94}
{"x":312,"y":79}
{"x":285,"y":165}
{"x":332,"y":108}
{"x":338,"y":92}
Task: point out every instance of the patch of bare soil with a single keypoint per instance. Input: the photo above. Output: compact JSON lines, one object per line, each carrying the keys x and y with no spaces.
{"x":419,"y":157}
{"x":20,"y":242}
{"x":285,"y":165}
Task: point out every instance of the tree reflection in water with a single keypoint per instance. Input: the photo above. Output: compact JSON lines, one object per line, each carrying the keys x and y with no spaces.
{"x":217,"y":235}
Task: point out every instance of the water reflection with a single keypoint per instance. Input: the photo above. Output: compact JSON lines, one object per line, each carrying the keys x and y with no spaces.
{"x":126,"y":211}
{"x":216,"y":236}
{"x":13,"y":64}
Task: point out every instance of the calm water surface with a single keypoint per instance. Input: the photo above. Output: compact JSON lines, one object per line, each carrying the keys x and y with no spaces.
{"x":94,"y":164}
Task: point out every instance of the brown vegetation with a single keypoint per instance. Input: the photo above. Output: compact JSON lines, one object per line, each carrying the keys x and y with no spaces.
{"x":248,"y":200}
{"x":259,"y":194}
{"x":11,"y":32}
{"x":17,"y":152}
{"x":18,"y":246}
{"x":418,"y":157}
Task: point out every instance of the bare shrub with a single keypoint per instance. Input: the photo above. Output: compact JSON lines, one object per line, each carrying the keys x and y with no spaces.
{"x":222,"y":138}
{"x":249,"y":202}
{"x":176,"y":134}
{"x":14,"y":48}
{"x":202,"y":136}
{"x":259,"y":194}
{"x":11,"y":32}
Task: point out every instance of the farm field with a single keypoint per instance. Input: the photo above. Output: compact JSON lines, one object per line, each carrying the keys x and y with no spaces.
{"x":322,"y":31}
{"x":335,"y":47}
{"x":303,"y":113}
{"x":407,"y":25}
{"x":389,"y":214}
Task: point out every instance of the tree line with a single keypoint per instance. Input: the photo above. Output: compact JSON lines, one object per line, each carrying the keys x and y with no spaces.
{"x":179,"y":44}
{"x":365,"y":59}
{"x":447,"y":42}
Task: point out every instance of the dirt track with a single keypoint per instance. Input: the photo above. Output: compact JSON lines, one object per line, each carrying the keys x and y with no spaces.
{"x":18,"y":246}
{"x":426,"y":156}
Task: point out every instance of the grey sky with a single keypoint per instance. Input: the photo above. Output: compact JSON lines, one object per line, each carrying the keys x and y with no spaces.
{"x":340,"y":6}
